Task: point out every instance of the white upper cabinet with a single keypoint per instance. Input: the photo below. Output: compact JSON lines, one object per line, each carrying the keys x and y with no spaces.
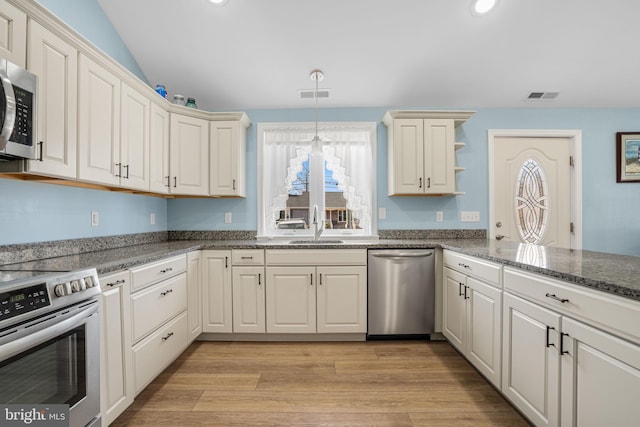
{"x":55,"y":62}
{"x":421,"y":151}
{"x":134,"y":140}
{"x":13,"y":34}
{"x":159,"y":150}
{"x":227,"y":157}
{"x":189,"y":155}
{"x":98,"y":124}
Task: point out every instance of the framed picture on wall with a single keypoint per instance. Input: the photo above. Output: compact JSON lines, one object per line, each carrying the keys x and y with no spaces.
{"x":628,"y":156}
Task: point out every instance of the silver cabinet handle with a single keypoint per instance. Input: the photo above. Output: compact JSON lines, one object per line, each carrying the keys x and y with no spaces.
{"x":119,"y":166}
{"x":548,"y":344}
{"x":234,"y":184}
{"x":401,"y":255}
{"x":10,"y":112}
{"x":246,"y":257}
{"x":429,"y":182}
{"x":420,"y":182}
{"x":168,"y":181}
{"x":259,"y":279}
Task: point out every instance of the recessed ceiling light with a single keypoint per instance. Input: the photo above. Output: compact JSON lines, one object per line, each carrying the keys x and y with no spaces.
{"x":218,"y":2}
{"x":480,"y":7}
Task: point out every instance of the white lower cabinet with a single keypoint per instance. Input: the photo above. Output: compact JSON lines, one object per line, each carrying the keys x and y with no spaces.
{"x":472,"y":312}
{"x":600,"y":378}
{"x":327,"y":297}
{"x":116,"y":369}
{"x":558,"y":368}
{"x":159,"y":317}
{"x":531,"y":363}
{"x":194,"y":294}
{"x":248,"y":299}
{"x":217,"y":291}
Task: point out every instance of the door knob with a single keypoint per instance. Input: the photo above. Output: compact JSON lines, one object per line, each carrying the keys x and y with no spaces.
{"x":498,"y":224}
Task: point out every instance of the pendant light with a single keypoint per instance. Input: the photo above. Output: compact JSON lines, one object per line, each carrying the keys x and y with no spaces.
{"x":316,"y":75}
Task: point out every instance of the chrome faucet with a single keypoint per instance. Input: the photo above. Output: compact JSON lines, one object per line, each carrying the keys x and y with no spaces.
{"x":316,"y":221}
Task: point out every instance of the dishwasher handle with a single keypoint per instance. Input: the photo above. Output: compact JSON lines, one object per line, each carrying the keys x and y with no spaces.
{"x":401,"y":255}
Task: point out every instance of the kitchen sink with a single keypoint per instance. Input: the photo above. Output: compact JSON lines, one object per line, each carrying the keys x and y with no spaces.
{"x":316,"y":242}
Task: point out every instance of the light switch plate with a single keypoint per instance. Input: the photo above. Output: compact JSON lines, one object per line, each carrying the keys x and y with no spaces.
{"x":382,"y":213}
{"x":470,"y":216}
{"x":227,"y":217}
{"x":95,"y":218}
{"x":439,"y":216}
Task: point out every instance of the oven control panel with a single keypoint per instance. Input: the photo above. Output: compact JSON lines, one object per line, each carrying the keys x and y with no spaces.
{"x":20,"y":301}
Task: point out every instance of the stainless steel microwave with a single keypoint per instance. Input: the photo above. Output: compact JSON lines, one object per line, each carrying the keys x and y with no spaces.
{"x":18,"y":115}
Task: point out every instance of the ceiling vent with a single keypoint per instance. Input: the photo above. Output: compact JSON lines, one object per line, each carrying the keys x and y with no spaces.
{"x":310,"y":93}
{"x":542,"y":95}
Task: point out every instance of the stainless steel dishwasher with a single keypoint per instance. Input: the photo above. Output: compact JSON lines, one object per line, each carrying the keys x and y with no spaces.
{"x":401,"y":292}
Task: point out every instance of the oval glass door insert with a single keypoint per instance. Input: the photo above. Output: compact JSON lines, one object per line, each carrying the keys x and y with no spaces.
{"x":531,"y":202}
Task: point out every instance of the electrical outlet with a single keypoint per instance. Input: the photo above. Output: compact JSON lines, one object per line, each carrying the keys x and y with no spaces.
{"x":95,"y":218}
{"x":439,"y":216}
{"x":470,"y":216}
{"x":152,"y":219}
{"x":227,"y":217}
{"x":382,"y":213}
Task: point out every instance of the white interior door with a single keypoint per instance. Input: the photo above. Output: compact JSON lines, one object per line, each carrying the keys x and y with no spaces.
{"x":532,"y":189}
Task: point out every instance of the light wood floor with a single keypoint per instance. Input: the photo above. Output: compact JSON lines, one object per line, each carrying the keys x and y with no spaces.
{"x":375,"y":383}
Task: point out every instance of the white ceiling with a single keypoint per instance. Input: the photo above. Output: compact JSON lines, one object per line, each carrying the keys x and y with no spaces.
{"x":253,"y":54}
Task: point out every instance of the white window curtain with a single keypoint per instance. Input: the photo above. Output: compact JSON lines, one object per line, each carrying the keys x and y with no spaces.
{"x":348,"y":149}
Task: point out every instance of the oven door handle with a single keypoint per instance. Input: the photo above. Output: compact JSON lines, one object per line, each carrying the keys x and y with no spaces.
{"x":52,"y":328}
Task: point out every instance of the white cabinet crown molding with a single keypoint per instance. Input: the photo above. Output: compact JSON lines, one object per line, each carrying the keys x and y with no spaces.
{"x":458,"y":116}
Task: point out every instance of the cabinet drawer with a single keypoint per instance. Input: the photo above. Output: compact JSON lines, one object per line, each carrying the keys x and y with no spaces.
{"x":156,"y":271}
{"x":599,"y":309}
{"x":155,"y":305}
{"x":484,"y":270}
{"x":316,"y":257}
{"x":158,"y":350}
{"x":247,"y":257}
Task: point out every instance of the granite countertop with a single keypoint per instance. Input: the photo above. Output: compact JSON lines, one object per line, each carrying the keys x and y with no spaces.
{"x":615,"y":274}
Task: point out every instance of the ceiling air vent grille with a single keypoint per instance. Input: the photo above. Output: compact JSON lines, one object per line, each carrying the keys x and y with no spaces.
{"x":310,"y":94}
{"x":542,"y":95}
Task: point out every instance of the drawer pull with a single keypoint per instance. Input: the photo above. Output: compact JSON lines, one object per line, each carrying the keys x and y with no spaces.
{"x":116,"y":283}
{"x":464,"y":265}
{"x":548,"y":344}
{"x":169,"y":335}
{"x":465,"y":292}
{"x":460,"y":285}
{"x":553,"y":296}
{"x":166,"y":270}
{"x":168,"y":291}
{"x":246,"y":257}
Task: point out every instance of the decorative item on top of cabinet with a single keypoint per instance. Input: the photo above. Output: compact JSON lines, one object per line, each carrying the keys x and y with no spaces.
{"x":421,"y":151}
{"x":13,"y":34}
{"x":472,"y":316}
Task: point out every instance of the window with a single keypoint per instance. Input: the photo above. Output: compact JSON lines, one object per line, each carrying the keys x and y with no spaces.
{"x":336,"y":175}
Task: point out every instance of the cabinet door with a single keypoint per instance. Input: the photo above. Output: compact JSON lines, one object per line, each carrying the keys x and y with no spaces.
{"x":248,"y":299}
{"x":13,"y":34}
{"x":530,"y":359}
{"x":600,"y":378}
{"x":194,"y":294}
{"x":439,"y":156}
{"x":98,"y":124}
{"x":227,"y":154}
{"x":407,"y":157}
{"x":291,"y":300}
{"x":217,"y":291}
{"x":454,"y":314}
{"x":134,"y":139}
{"x":116,"y":381}
{"x":55,"y":62}
{"x":342,"y":299}
{"x":159,"y":150}
{"x":484,"y":329}
{"x":189,"y":155}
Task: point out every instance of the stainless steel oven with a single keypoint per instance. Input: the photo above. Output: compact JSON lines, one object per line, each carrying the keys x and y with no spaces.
{"x":49,"y":342}
{"x":18,"y":115}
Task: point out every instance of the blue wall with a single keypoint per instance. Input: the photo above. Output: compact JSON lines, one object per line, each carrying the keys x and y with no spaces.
{"x":89,"y":20}
{"x":38,"y":212}
{"x":33,"y":212}
{"x":610,"y":210}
